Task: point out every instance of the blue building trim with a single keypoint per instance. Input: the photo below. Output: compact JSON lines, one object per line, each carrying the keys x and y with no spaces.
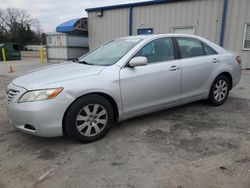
{"x":130,"y":5}
{"x":67,"y":26}
{"x":130,"y":21}
{"x":223,"y":22}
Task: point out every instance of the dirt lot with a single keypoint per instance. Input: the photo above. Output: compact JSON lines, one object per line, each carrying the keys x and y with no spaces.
{"x":195,"y":145}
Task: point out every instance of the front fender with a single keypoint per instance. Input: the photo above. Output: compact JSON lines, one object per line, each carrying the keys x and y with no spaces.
{"x":105,"y":84}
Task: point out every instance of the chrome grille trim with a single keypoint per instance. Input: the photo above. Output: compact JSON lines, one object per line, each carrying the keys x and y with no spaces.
{"x":11,"y":93}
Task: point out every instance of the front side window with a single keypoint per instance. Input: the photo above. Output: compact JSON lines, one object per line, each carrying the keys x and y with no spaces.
{"x":109,"y":53}
{"x":190,"y":47}
{"x":158,"y":50}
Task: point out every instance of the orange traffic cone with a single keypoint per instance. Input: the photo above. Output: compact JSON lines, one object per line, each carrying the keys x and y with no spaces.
{"x":11,"y":70}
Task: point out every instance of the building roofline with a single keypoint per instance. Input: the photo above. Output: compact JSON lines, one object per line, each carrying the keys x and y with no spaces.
{"x":137,"y":4}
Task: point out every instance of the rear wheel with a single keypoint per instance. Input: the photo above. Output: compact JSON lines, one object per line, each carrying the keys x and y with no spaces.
{"x":219,"y":90}
{"x":89,"y":118}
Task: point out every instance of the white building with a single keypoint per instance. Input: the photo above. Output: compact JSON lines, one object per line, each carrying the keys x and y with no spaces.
{"x":226,"y":22}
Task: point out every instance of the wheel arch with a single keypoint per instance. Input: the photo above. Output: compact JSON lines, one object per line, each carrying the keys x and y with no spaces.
{"x":106,"y":96}
{"x":229,"y":76}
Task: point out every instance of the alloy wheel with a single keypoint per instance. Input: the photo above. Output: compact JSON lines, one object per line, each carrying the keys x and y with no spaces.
{"x":91,"y":120}
{"x":220,"y":90}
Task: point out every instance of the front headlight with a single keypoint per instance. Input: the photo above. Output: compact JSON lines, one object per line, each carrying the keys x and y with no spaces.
{"x":39,"y":95}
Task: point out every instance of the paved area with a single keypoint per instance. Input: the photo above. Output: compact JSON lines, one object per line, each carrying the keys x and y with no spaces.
{"x":195,"y":145}
{"x":242,"y":90}
{"x":21,"y":67}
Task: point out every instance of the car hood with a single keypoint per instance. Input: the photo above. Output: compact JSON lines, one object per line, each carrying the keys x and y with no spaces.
{"x":56,"y":73}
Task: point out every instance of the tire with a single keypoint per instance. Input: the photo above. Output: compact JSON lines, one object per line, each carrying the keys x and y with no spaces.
{"x":89,"y":118}
{"x":219,"y":90}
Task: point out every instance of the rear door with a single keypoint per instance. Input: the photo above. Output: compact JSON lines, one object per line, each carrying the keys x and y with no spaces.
{"x":198,"y":61}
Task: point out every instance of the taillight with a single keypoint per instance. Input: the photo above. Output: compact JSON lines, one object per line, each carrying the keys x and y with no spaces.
{"x":238,"y":59}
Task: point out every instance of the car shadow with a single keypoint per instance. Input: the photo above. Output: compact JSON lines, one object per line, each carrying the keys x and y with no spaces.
{"x":180,"y":113}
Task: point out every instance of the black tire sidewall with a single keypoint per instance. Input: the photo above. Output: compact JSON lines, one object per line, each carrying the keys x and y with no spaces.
{"x":70,"y":120}
{"x":211,"y":93}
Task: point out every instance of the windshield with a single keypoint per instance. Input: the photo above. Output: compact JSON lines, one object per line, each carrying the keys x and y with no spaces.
{"x":109,"y":53}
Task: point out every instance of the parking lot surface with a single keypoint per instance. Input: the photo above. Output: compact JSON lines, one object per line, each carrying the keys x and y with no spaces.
{"x":21,"y":67}
{"x":195,"y":145}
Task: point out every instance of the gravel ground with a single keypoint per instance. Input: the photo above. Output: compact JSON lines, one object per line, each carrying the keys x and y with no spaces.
{"x":195,"y":145}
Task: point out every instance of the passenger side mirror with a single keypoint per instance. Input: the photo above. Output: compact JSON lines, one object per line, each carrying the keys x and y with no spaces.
{"x":138,"y":61}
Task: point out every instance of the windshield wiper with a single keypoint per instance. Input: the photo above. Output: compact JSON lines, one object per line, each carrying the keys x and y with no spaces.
{"x":84,"y":62}
{"x":76,"y":60}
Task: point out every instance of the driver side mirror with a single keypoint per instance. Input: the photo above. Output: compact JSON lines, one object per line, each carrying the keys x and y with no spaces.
{"x":138,"y":61}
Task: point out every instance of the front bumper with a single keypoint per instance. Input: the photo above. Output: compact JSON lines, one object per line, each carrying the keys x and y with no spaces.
{"x":45,"y":116}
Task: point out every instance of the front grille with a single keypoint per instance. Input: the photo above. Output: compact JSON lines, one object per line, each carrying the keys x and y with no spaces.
{"x":11,"y":93}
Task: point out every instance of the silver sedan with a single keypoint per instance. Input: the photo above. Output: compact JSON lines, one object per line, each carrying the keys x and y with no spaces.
{"x":120,"y":79}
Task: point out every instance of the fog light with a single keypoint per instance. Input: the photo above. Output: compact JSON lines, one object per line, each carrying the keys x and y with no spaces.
{"x":31,"y":127}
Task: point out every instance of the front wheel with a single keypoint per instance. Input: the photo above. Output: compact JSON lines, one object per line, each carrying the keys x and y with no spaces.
{"x":89,"y":118}
{"x":219,"y":90}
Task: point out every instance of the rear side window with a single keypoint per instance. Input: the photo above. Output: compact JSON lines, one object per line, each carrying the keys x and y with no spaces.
{"x":158,"y":50}
{"x":208,"y":50}
{"x":190,"y":47}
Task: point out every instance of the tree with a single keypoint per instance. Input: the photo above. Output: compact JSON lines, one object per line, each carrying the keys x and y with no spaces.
{"x":2,"y":27}
{"x":16,"y":25}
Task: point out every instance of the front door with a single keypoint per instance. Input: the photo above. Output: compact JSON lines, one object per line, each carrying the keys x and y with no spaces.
{"x":149,"y":87}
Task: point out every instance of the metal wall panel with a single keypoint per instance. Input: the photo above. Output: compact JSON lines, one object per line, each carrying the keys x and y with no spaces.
{"x":62,"y":40}
{"x":62,"y":47}
{"x":204,"y":15}
{"x":57,"y":52}
{"x":113,"y":24}
{"x":76,"y":52}
{"x":60,"y":54}
{"x":78,"y":41}
{"x":237,"y":16}
{"x":56,"y":40}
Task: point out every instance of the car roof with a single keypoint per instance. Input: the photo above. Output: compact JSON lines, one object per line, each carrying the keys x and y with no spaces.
{"x":146,"y":38}
{"x":160,"y":35}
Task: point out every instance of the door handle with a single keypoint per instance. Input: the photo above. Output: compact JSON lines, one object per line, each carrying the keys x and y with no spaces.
{"x":215,"y":60}
{"x":174,"y":68}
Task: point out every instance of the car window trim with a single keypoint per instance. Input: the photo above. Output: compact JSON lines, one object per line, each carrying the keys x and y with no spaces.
{"x":132,"y":56}
{"x":176,"y":48}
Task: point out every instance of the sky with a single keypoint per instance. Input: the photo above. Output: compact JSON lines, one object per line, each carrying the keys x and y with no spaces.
{"x":51,"y":13}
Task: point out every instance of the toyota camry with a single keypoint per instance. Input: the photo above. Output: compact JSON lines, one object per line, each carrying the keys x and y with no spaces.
{"x":121,"y":79}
